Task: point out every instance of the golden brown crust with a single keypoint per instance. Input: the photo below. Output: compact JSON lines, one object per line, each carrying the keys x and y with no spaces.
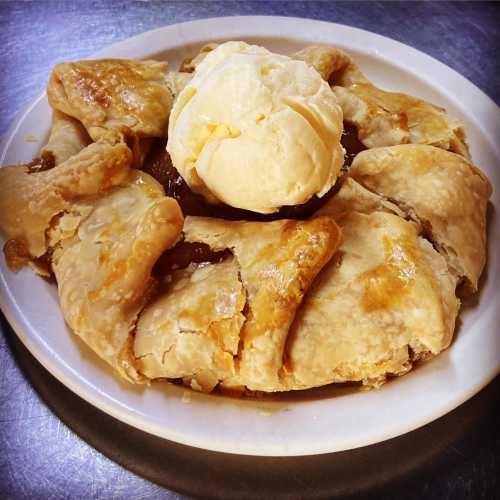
{"x":390,"y":118}
{"x":278,"y":313}
{"x":334,"y":65}
{"x":353,"y":197}
{"x":327,"y":61}
{"x":67,"y":138}
{"x":383,"y":118}
{"x":176,"y":81}
{"x":278,"y":262}
{"x":386,"y":291}
{"x":103,"y":270}
{"x":118,"y":94}
{"x":442,"y":190}
{"x":192,"y":330}
{"x":16,"y":254}
{"x":29,"y":202}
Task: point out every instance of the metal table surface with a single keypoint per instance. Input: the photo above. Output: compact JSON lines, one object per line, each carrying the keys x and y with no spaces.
{"x":49,"y":437}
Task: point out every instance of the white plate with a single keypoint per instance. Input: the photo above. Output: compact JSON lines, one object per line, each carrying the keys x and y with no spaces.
{"x":342,"y":421}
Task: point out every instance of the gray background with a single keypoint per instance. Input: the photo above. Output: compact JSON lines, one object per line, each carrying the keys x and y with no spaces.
{"x":42,"y":458}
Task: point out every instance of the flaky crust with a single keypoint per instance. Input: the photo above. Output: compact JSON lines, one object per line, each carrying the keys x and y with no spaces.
{"x":176,"y":81}
{"x":385,"y":298}
{"x":327,"y":60}
{"x":103,"y":270}
{"x":383,"y":118}
{"x":67,"y":138}
{"x":118,"y":94}
{"x":353,"y":197}
{"x":192,"y":330}
{"x":442,"y":190}
{"x":29,"y":202}
{"x":278,"y":262}
{"x":292,"y":304}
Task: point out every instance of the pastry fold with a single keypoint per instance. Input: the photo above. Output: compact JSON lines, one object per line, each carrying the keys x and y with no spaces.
{"x":67,"y":138}
{"x":385,"y":299}
{"x":113,"y":94}
{"x":358,"y":292}
{"x":442,"y":191}
{"x":383,"y":118}
{"x":273,"y":266}
{"x":31,"y":202}
{"x":189,"y":65}
{"x":192,"y":330}
{"x":103,"y":270}
{"x":176,"y":81}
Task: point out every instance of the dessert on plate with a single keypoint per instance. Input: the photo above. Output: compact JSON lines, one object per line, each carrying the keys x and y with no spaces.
{"x":251,"y":221}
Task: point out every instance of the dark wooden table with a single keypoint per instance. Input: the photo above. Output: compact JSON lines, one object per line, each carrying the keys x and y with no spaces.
{"x":456,"y":457}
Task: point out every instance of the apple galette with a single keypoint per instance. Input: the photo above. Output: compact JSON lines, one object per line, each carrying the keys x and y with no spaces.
{"x":213,"y":225}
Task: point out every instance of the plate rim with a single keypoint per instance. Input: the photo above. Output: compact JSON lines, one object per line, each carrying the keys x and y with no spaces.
{"x":83,"y":389}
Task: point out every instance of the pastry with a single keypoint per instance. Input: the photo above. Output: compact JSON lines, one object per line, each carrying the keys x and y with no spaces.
{"x":328,"y":60}
{"x":103,"y":270}
{"x":385,"y":299}
{"x":274,"y":265}
{"x":384,"y":118}
{"x":67,"y":138}
{"x":176,"y":81}
{"x":442,"y":191}
{"x":238,"y":295}
{"x":30,"y":203}
{"x":192,"y":331}
{"x":117,"y":94}
{"x":353,"y":197}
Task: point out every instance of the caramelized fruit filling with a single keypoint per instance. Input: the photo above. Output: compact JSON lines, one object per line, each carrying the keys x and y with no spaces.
{"x":45,"y":162}
{"x":351,"y":143}
{"x":159,"y":165}
{"x":185,"y":253}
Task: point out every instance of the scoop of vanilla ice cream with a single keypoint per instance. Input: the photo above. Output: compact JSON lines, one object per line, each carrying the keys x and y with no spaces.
{"x":256,"y":130}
